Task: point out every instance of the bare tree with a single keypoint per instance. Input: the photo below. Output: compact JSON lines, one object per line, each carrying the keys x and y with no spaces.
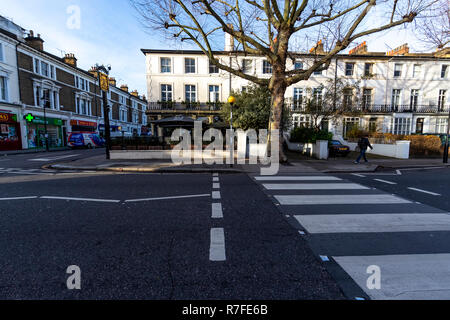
{"x":267,"y":28}
{"x":435,"y":28}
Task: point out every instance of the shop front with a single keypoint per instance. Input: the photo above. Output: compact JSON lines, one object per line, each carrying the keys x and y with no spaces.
{"x":36,"y":132}
{"x":83,"y":126}
{"x":9,"y":132}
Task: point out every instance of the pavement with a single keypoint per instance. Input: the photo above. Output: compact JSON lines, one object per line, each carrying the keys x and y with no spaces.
{"x":332,"y":165}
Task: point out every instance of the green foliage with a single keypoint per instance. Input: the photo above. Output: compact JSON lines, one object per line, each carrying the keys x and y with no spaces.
{"x":309,"y":135}
{"x":251,"y":109}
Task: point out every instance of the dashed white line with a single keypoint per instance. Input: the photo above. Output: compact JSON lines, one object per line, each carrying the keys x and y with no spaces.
{"x":217,"y":246}
{"x":424,"y":191}
{"x":216,"y":195}
{"x":217,"y":212}
{"x":216,"y":185}
{"x":385,"y":181}
{"x":169,"y":198}
{"x":215,"y":179}
{"x":358,"y":175}
{"x":80,"y":199}
{"x":215,"y":174}
{"x":18,"y":198}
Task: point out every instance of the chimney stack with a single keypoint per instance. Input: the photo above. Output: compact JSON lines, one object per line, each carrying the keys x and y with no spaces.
{"x":229,"y":40}
{"x":70,"y":59}
{"x":135,"y":93}
{"x":124,"y":87}
{"x":94,"y":72}
{"x":112,"y":81}
{"x":35,"y":42}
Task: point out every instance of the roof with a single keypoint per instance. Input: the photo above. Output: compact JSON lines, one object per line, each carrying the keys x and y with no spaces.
{"x":375,"y":55}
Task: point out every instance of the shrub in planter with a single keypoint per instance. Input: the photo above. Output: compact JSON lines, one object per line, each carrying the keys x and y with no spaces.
{"x":309,"y":135}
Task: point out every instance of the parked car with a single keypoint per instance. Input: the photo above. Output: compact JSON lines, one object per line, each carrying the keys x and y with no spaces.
{"x":85,"y":140}
{"x":337,"y":148}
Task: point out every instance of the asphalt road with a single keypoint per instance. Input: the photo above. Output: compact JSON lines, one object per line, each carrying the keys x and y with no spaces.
{"x":149,"y":236}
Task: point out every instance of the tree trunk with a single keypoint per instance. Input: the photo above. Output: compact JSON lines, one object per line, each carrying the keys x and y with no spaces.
{"x":278,"y":89}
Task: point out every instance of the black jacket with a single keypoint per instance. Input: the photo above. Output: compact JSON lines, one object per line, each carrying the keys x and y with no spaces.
{"x":364,"y":143}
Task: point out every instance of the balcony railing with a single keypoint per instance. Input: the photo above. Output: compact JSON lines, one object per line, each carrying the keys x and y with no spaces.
{"x":296,"y":106}
{"x":185,"y":106}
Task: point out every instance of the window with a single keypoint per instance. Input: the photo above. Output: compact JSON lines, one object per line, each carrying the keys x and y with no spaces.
{"x":417,"y":68}
{"x":348,"y":97}
{"x":298,"y":98}
{"x":401,"y":126}
{"x":373,"y":125}
{"x":2,"y":57}
{"x":414,"y":100}
{"x":298,"y":65}
{"x":367,"y":98}
{"x":213,"y":93}
{"x":396,"y":93}
{"x":441,"y":125}
{"x":123,"y":114}
{"x":301,"y":121}
{"x":267,"y":67}
{"x":135,"y":117}
{"x":213,"y":68}
{"x":52,"y":72}
{"x":45,"y":69}
{"x":189,"y":65}
{"x":190,"y":93}
{"x":444,"y":71}
{"x":349,"y":67}
{"x":317,"y":96}
{"x":166,"y":65}
{"x":166,"y":92}
{"x":83,"y":106}
{"x":368,"y":69}
{"x":3,"y":89}
{"x":419,"y":125}
{"x":398,"y":70}
{"x":442,"y":99}
{"x":37,"y":66}
{"x":247,"y":66}
{"x":317,"y":73}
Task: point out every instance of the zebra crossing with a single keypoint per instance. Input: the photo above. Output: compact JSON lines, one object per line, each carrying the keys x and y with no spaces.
{"x":368,"y":235}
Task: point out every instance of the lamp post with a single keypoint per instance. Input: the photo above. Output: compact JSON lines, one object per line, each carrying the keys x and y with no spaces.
{"x":446,"y":146}
{"x":231,"y":101}
{"x":46,"y":100}
{"x":104,"y":87}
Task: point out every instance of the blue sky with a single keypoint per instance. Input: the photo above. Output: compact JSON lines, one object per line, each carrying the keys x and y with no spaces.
{"x":110,"y":33}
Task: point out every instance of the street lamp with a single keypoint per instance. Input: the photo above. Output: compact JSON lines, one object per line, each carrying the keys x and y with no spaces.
{"x":231,"y":101}
{"x":46,"y":99}
{"x":103,"y":82}
{"x":446,"y":146}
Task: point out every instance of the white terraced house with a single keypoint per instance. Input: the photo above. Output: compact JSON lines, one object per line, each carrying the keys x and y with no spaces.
{"x":401,"y":92}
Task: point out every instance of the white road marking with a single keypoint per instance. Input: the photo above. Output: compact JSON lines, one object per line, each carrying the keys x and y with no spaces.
{"x":18,"y":198}
{"x":339,"y":199}
{"x":315,"y":186}
{"x":217,"y":212}
{"x":54,"y":158}
{"x":424,"y":191}
{"x":217,"y":247}
{"x":216,"y":195}
{"x":360,"y":223}
{"x":169,"y":198}
{"x":399,"y":172}
{"x":324,"y":258}
{"x":297,"y":178}
{"x":358,"y":175}
{"x":215,"y":174}
{"x":403,"y":277}
{"x":80,"y":199}
{"x":216,"y":185}
{"x":215,"y":179}
{"x":385,"y":181}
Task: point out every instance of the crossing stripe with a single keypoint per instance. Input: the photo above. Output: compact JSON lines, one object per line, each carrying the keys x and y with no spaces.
{"x":424,"y":191}
{"x":403,"y":277}
{"x":297,"y":178}
{"x":385,"y":181}
{"x":217,"y":212}
{"x":359,"y":223}
{"x":315,"y":186}
{"x":339,"y":199}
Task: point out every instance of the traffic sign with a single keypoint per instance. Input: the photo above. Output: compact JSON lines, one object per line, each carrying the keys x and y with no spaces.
{"x":104,"y":81}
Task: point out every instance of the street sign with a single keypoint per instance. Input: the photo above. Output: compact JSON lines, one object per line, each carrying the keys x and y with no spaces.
{"x":104,"y":82}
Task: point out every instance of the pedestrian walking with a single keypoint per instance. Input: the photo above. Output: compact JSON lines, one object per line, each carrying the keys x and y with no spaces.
{"x":363,"y":144}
